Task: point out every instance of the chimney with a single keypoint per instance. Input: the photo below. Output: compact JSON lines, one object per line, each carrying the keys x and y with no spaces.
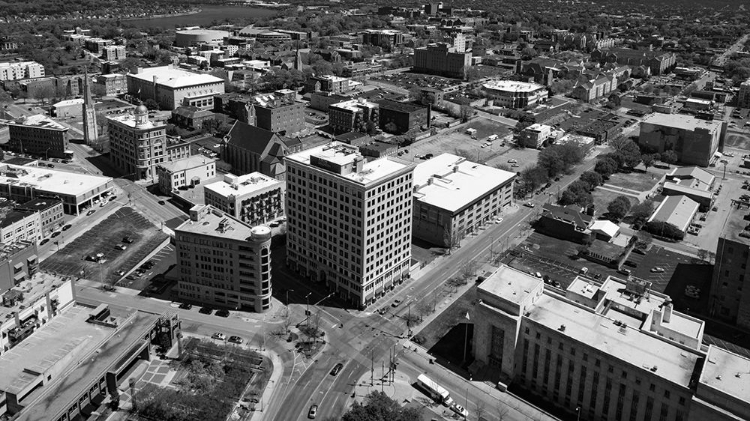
{"x":667,"y":310}
{"x":455,"y":168}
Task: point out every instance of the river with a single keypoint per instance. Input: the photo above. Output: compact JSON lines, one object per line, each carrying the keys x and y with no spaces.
{"x":207,"y":15}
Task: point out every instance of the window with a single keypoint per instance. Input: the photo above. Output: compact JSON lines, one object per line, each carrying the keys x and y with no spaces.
{"x":682,"y":400}
{"x":652,"y":387}
{"x":666,"y":394}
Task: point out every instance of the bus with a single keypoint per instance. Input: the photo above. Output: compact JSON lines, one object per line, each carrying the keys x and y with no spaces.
{"x":434,"y":390}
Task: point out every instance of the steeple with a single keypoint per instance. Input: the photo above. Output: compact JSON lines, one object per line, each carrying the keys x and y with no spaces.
{"x":90,"y":132}
{"x":298,"y":59}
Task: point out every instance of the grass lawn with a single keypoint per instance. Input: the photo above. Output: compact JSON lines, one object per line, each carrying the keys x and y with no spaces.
{"x":635,"y":180}
{"x":486,"y":127}
{"x":603,"y":197}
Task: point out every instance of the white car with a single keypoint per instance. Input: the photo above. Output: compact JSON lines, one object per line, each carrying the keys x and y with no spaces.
{"x":220,"y":336}
{"x":460,"y":410}
{"x":498,"y":220}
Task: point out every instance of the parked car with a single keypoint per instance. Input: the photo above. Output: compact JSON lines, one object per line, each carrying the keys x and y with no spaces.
{"x":121,"y":247}
{"x":120,"y":273}
{"x":186,"y":306}
{"x":460,"y":410}
{"x":55,"y":234}
{"x":91,"y":212}
{"x":529,"y":205}
{"x":396,"y":302}
{"x":66,"y":227}
{"x":128,"y":240}
{"x":657,"y":269}
{"x":222,"y":313}
{"x":625,"y":272}
{"x":206,"y":310}
{"x":313,"y":412}
{"x":220,"y":336}
{"x":236,"y":340}
{"x":44,"y":241}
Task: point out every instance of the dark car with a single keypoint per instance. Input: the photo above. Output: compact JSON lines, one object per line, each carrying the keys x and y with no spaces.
{"x":161,"y":202}
{"x":44,"y":241}
{"x":66,"y":227}
{"x":186,"y":306}
{"x":223,"y":313}
{"x":236,"y":340}
{"x":631,"y":263}
{"x":128,"y":240}
{"x":55,"y":234}
{"x":337,"y":369}
{"x":91,"y":212}
{"x":206,"y":310}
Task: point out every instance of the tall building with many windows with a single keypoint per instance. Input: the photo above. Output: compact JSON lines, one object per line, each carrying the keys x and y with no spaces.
{"x":612,"y":350}
{"x":222,"y":262}
{"x":349,"y":221}
{"x":729,"y":297}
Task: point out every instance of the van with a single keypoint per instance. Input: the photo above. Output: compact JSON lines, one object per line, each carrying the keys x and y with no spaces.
{"x":584,"y":270}
{"x":492,"y":137}
{"x":624,"y":272}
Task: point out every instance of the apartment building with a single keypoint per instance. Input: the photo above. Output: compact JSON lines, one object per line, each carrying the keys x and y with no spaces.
{"x":138,"y":145}
{"x":278,"y":112}
{"x":384,"y":38}
{"x":111,"y":84}
{"x":613,"y":350}
{"x":223,"y":262}
{"x":453,"y":197}
{"x":353,"y":114}
{"x":328,"y":83}
{"x":184,"y":172}
{"x":252,"y":198}
{"x":447,"y":59}
{"x":349,"y":222}
{"x":114,"y":53}
{"x":400,"y":117}
{"x":21,"y":70}
{"x":730,"y":283}
{"x":39,"y":135}
{"x":694,"y":140}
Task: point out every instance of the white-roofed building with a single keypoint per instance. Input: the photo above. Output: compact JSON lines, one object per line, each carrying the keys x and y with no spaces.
{"x":676,"y":210}
{"x":513,"y":94}
{"x":77,"y":191}
{"x":171,"y":87}
{"x":68,"y":108}
{"x":605,"y":230}
{"x":253,"y":198}
{"x":189,"y":171}
{"x":694,"y":140}
{"x":454,"y":196}
{"x":609,"y":350}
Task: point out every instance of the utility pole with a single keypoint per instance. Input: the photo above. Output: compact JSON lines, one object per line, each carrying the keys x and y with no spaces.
{"x":382,"y":377}
{"x":372,"y":367}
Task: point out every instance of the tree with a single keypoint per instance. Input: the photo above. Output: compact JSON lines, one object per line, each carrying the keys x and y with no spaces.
{"x":641,"y":212}
{"x":151,"y":104}
{"x":618,"y":207}
{"x":606,"y":167}
{"x":593,"y":178}
{"x":631,"y":154}
{"x":465,"y":112}
{"x":379,"y":407}
{"x":703,"y":255}
{"x":647,"y":160}
{"x":669,"y":157}
{"x":664,"y":229}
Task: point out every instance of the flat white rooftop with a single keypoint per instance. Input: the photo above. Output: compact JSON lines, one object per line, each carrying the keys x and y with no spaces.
{"x":727,"y":372}
{"x":245,"y":184}
{"x":512,"y":86}
{"x":41,"y":120}
{"x":216,"y":223}
{"x":67,"y":102}
{"x":174,"y":78}
{"x":682,"y":121}
{"x":341,"y":154}
{"x":510,"y":284}
{"x":188,"y":163}
{"x":129,"y":120}
{"x":68,"y":183}
{"x":354,"y":104}
{"x":456,"y":182}
{"x":629,"y":345}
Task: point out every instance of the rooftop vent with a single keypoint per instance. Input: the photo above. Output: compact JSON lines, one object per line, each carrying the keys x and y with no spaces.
{"x":561,"y":328}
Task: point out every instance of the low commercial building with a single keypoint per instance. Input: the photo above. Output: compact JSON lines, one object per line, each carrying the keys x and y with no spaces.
{"x":18,"y":225}
{"x":68,"y":108}
{"x":78,"y":358}
{"x":606,"y":350}
{"x":694,"y":140}
{"x":676,"y":210}
{"x":51,"y":213}
{"x":39,"y":135}
{"x":535,"y":135}
{"x":401,"y":117}
{"x":586,"y":143}
{"x":171,"y":87}
{"x":604,"y":230}
{"x":703,"y":197}
{"x":191,"y":117}
{"x":322,"y":100}
{"x":18,"y":262}
{"x":453,"y":197}
{"x":693,"y":177}
{"x":189,"y":171}
{"x":252,"y":198}
{"x":77,"y":191}
{"x":352,"y":115}
{"x":223,"y":262}
{"x":512,"y":94}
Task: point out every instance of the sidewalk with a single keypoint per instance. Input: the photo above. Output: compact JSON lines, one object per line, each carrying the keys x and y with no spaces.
{"x":273,"y":382}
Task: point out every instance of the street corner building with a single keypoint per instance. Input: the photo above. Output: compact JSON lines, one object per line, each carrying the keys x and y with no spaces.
{"x":349,"y":221}
{"x":222,"y":262}
{"x":604,"y":350}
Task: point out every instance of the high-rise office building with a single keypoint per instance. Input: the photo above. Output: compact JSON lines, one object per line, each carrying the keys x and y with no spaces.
{"x":729,"y":297}
{"x":349,"y":221}
{"x":222,"y":262}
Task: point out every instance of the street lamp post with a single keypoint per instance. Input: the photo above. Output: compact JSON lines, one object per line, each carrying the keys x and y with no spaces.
{"x":287,"y":296}
{"x":307,"y":312}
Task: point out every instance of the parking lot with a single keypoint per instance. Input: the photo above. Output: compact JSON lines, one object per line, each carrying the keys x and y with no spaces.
{"x":150,"y":275}
{"x":93,"y":254}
